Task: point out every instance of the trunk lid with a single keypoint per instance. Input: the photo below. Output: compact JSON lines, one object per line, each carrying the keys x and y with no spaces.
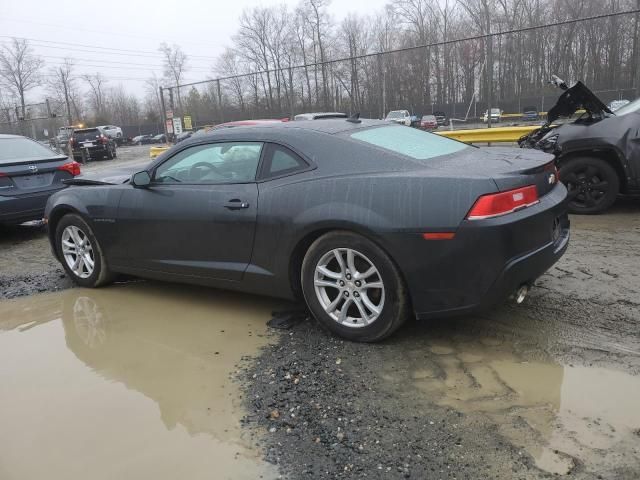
{"x":508,"y":167}
{"x":28,"y":177}
{"x":87,"y":138}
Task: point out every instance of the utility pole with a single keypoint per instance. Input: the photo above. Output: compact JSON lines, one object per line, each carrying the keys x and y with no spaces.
{"x":220,"y":101}
{"x":49,"y":116}
{"x":489,"y":46}
{"x":164,"y":113}
{"x":66,"y":100}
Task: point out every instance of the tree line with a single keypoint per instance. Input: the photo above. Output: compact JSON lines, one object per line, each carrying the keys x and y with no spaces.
{"x":280,"y":62}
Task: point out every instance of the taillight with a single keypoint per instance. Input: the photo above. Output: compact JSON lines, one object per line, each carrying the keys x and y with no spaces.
{"x":103,"y":139}
{"x":3,"y":175}
{"x":552,"y":169}
{"x":72,"y":167}
{"x":496,"y":204}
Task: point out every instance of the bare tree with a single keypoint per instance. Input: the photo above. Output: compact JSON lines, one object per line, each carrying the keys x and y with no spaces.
{"x":62,"y":82}
{"x":152,"y":89}
{"x":97,"y":92}
{"x":20,"y":69}
{"x":175,"y":65}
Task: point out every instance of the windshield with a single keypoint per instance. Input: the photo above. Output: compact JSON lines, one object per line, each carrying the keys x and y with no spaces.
{"x":409,"y":142}
{"x":17,"y":149}
{"x":396,"y":114}
{"x":632,"y":107}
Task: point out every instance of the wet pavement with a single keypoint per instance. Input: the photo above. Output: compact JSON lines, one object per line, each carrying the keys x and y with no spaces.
{"x":131,"y":381}
{"x":559,"y":414}
{"x":135,"y":381}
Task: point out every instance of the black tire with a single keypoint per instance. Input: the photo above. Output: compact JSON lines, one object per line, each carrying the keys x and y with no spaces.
{"x":593,"y":184}
{"x":101,"y":274}
{"x":395,"y":308}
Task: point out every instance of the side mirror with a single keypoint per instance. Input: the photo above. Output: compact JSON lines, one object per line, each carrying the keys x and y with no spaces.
{"x":141,"y":179}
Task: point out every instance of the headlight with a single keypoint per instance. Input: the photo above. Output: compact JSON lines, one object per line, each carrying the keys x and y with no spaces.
{"x":549,"y":142}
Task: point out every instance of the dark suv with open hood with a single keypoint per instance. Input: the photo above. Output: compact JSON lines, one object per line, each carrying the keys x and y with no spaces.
{"x":598,"y":154}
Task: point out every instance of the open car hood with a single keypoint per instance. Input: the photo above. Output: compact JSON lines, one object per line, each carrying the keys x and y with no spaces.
{"x":575,"y":98}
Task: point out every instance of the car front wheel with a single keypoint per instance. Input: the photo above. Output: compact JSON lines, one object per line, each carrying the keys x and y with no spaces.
{"x":80,"y":253}
{"x":353,"y":288}
{"x":592,"y":184}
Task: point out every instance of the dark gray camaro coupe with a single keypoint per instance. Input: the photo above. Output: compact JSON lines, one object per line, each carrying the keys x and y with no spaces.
{"x":367,"y":221}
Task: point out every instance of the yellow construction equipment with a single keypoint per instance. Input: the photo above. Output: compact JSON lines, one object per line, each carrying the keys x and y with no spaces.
{"x":155,"y":151}
{"x":489,"y":135}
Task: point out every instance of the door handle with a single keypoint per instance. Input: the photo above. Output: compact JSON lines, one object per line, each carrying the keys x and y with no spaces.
{"x":236,"y":204}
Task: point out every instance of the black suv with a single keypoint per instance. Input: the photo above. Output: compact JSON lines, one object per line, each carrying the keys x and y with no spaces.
{"x":441,"y":118}
{"x":598,"y":154}
{"x":93,"y":142}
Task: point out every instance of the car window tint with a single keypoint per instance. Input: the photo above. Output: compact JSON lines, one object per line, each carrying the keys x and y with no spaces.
{"x":281,"y":161}
{"x":20,"y":148}
{"x":410,"y":142}
{"x":232,"y":162}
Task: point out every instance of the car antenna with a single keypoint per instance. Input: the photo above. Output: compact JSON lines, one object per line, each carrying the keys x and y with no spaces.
{"x":355,"y":118}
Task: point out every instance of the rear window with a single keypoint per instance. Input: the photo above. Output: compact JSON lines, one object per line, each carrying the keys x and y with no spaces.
{"x":16,"y":149}
{"x":410,"y":142}
{"x":86,"y":134}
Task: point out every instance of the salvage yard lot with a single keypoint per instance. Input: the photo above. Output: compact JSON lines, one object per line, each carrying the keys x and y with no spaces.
{"x":548,"y":387}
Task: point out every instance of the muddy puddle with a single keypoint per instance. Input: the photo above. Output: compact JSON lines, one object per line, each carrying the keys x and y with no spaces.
{"x":567,"y":418}
{"x":127,"y":382}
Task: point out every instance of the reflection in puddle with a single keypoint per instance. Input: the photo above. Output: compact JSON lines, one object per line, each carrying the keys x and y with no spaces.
{"x":556,"y":413}
{"x":127,"y":382}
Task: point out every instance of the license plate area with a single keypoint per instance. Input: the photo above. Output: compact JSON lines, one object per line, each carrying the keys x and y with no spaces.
{"x":33,"y":181}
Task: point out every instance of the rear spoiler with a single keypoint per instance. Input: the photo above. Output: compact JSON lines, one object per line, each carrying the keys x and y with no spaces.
{"x":85,"y":181}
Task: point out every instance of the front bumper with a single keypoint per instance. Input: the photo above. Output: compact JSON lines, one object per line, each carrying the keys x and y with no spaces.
{"x":487,"y":260}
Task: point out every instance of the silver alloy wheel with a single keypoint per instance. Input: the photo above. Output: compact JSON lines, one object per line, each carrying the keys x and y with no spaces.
{"x":349,"y":287}
{"x":77,"y":251}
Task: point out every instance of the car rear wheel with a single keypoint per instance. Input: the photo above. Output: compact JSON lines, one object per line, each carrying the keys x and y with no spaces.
{"x":593,"y":184}
{"x":353,"y":288}
{"x":80,"y":253}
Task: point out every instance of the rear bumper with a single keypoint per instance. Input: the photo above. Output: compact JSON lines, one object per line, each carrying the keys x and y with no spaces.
{"x":24,"y":208}
{"x":486,"y":261}
{"x":97,"y":151}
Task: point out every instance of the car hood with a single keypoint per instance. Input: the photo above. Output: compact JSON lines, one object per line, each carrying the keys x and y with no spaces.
{"x":108,"y":176}
{"x":575,"y":98}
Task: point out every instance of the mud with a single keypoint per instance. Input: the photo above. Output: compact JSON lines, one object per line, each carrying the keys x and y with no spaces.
{"x":26,"y":263}
{"x":549,"y":388}
{"x":127,"y":382}
{"x":546,"y":389}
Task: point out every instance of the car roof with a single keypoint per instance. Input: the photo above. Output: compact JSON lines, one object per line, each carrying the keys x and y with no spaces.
{"x":329,"y":126}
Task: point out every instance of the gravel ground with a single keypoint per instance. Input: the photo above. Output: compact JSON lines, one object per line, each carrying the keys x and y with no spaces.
{"x":26,"y":263}
{"x":325,"y":408}
{"x":334,"y":409}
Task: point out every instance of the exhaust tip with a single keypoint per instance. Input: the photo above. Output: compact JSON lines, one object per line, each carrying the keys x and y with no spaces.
{"x":521,"y":294}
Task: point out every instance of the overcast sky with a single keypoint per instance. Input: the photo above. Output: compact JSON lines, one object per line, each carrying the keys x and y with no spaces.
{"x":201,"y":27}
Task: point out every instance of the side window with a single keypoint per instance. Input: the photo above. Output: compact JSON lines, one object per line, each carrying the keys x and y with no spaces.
{"x":281,"y":161}
{"x":229,"y":162}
